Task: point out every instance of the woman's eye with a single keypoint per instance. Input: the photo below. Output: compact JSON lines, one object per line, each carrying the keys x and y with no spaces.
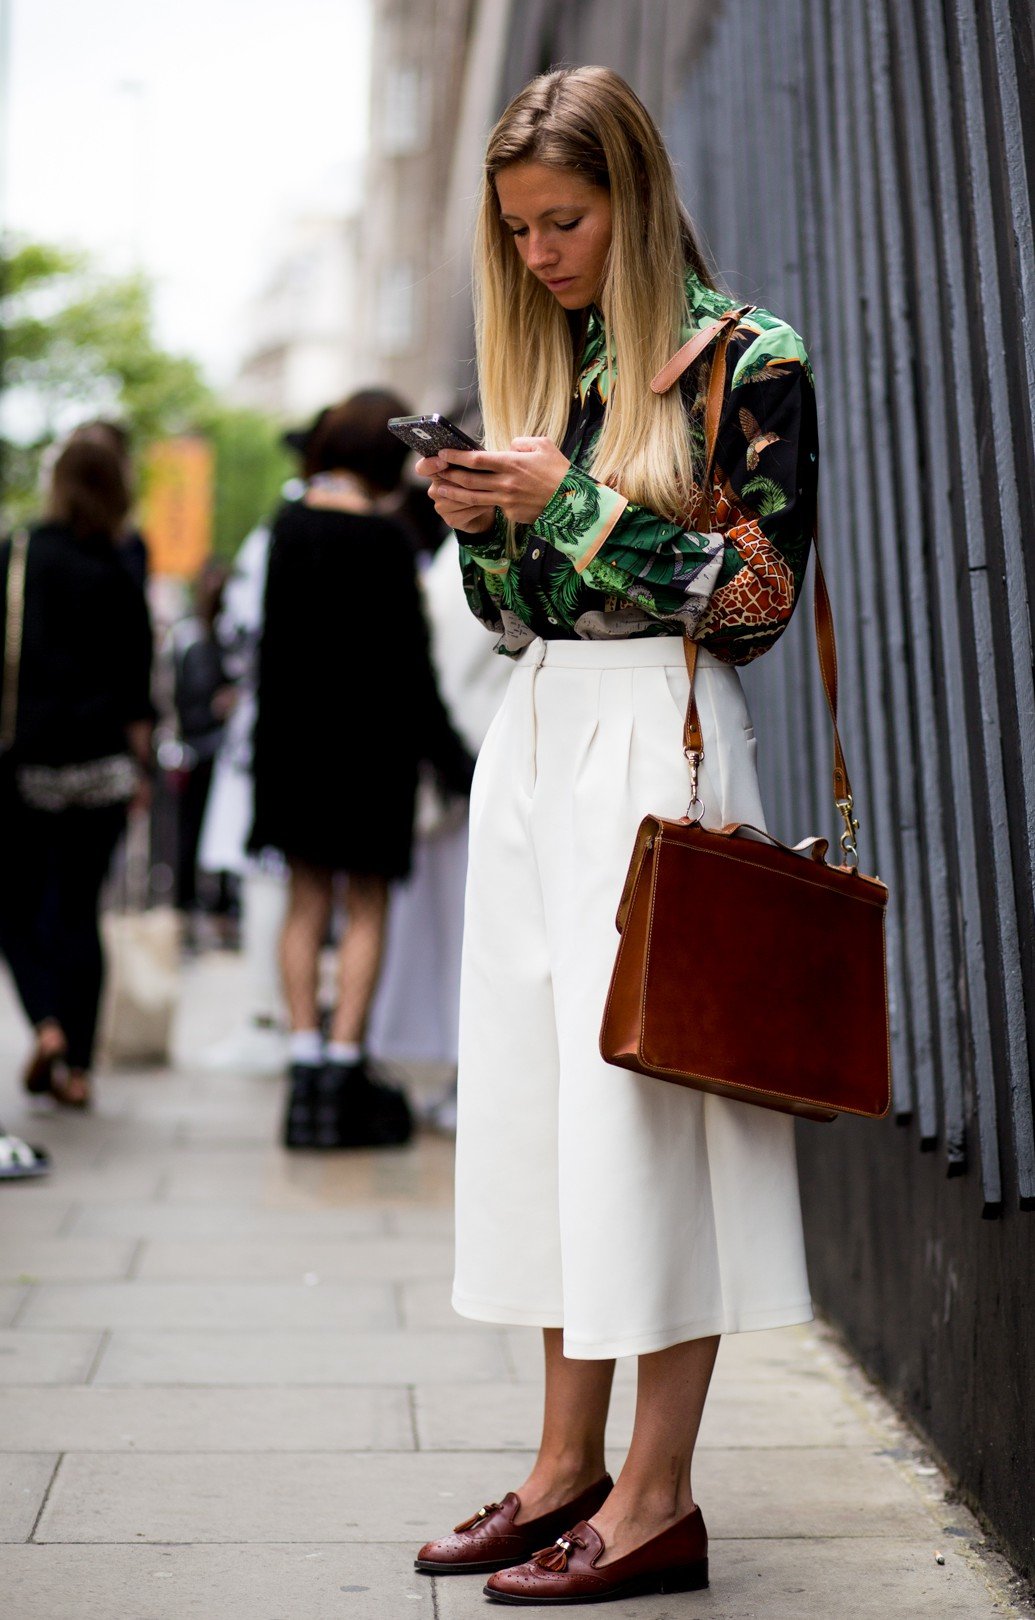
{"x":521,"y":231}
{"x":569,"y":225}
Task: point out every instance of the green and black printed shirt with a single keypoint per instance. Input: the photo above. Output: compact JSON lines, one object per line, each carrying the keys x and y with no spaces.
{"x":594,"y":565}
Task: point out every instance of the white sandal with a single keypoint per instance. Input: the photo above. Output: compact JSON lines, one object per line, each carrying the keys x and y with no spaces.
{"x":19,"y":1161}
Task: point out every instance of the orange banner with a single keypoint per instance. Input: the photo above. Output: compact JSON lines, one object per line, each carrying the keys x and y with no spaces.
{"x":176,"y":511}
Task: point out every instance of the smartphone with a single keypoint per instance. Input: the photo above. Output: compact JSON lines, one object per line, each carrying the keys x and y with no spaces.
{"x":429,"y":434}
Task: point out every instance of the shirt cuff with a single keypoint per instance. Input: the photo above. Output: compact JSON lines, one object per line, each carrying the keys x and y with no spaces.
{"x":579,"y":517}
{"x":486,"y":547}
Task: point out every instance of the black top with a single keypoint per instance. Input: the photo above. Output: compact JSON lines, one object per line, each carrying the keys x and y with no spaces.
{"x":348,"y":705}
{"x":85,"y":670}
{"x":198,"y":675}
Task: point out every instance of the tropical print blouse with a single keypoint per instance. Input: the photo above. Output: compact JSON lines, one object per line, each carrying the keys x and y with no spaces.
{"x":595,"y":565}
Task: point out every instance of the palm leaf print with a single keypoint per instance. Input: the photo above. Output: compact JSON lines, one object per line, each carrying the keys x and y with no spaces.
{"x":566,"y":594}
{"x":765,"y":495}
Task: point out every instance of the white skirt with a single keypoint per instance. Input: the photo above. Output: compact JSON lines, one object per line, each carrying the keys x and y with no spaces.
{"x":632,"y":1213}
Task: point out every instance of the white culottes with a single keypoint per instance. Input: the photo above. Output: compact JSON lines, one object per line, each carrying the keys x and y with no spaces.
{"x":632,"y":1213}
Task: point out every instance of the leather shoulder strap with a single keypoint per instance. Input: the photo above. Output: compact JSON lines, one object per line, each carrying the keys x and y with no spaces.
{"x":14,"y":622}
{"x":826,"y":641}
{"x":674,"y":368}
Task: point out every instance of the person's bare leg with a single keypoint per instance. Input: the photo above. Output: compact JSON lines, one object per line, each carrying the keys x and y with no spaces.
{"x":571,"y":1451}
{"x":305,"y":929}
{"x":359,"y":957}
{"x":653,"y":1490}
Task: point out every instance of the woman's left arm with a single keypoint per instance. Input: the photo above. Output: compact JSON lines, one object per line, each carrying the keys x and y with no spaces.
{"x":733,"y":588}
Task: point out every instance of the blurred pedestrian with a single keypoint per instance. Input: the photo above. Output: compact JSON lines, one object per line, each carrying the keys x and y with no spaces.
{"x":257,"y":1042}
{"x":80,"y":688}
{"x":129,"y":542}
{"x":621,"y":1215}
{"x":347,"y":710}
{"x":204,"y":697}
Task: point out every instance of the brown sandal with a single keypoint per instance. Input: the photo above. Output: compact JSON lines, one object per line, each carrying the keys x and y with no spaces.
{"x":38,"y":1074}
{"x":71,"y":1088}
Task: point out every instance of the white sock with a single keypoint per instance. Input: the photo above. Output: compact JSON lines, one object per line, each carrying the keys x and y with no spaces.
{"x":307,"y":1047}
{"x":344,"y":1052}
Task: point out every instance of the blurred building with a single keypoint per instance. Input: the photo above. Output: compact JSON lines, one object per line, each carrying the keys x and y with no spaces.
{"x":867,"y":171}
{"x":301,"y":345}
{"x":435,"y":72}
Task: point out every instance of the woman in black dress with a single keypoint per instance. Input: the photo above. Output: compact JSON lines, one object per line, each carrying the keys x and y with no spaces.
{"x":348,"y":710}
{"x":81,"y":743}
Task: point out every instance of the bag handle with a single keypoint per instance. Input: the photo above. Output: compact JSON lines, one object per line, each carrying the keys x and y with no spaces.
{"x":15,"y":620}
{"x":823,"y":618}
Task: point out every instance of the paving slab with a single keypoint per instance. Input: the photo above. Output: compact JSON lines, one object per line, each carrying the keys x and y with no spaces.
{"x":27,"y":1217}
{"x":370,"y":1497}
{"x":305,"y":1582}
{"x":46,"y":1358}
{"x":792,"y":1580}
{"x":203,"y":1497}
{"x":63,"y":1259}
{"x":330,"y":1357}
{"x":274,"y":1418}
{"x":81,"y":1177}
{"x":332,"y":1256}
{"x":836,"y":1491}
{"x":456,"y":1417}
{"x":12,"y":1298}
{"x":298,"y":1306}
{"x":422,"y":1223}
{"x":216,"y":1224}
{"x":246,"y":1175}
{"x":23,"y":1485}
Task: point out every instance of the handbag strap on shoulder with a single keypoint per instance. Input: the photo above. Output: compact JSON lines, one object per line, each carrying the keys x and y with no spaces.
{"x":14,"y":622}
{"x":823,"y":618}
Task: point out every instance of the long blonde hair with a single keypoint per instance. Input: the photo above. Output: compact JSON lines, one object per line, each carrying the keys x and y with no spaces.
{"x":589,"y":121}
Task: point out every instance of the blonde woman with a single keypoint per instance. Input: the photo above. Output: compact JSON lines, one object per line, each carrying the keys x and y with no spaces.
{"x":620,"y":1215}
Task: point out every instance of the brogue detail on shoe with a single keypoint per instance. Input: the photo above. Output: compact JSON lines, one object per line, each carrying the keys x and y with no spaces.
{"x":568,"y":1572}
{"x":490,"y":1540}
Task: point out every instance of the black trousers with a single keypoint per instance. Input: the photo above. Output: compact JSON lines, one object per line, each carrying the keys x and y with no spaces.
{"x":52,"y":866}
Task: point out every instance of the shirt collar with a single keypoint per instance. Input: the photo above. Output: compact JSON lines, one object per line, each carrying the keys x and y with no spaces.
{"x":703,"y":304}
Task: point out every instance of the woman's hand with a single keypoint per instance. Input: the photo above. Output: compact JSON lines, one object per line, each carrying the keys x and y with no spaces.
{"x":520,"y":481}
{"x":453,"y":505}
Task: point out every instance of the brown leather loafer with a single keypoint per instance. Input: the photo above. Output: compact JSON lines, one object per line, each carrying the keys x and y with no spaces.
{"x":491,"y":1540}
{"x":675,"y":1561}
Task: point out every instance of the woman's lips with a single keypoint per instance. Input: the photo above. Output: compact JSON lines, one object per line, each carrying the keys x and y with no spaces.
{"x":556,"y":283}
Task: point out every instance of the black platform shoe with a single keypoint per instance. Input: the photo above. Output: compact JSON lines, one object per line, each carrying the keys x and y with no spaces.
{"x":299,"y":1126}
{"x":366,"y":1111}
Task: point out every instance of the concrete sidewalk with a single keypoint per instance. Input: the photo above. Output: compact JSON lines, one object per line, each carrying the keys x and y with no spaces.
{"x":232,"y":1388}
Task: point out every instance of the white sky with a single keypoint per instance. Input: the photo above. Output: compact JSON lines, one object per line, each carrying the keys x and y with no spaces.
{"x":182,"y":135}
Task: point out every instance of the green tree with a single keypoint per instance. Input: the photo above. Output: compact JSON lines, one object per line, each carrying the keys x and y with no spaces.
{"x":78,"y":343}
{"x":251,"y":467}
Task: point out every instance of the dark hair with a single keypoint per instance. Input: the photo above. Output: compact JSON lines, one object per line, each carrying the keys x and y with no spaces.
{"x":102,"y":429}
{"x":88,"y":488}
{"x":354,"y":437}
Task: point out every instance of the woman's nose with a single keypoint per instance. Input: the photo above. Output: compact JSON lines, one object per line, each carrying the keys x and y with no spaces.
{"x":541,"y":254}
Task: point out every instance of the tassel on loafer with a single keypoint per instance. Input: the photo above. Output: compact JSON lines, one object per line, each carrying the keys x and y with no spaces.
{"x":567,"y":1572}
{"x":492,"y":1541}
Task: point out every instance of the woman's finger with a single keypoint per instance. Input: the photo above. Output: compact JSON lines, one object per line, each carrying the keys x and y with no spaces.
{"x":483,"y":461}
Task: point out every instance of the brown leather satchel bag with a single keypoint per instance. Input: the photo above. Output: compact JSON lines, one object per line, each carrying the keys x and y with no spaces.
{"x":746,"y":967}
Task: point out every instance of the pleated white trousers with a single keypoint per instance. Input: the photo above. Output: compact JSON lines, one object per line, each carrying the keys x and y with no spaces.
{"x":632,"y":1213}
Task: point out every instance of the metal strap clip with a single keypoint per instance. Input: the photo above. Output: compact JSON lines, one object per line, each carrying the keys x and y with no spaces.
{"x":848,"y":845}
